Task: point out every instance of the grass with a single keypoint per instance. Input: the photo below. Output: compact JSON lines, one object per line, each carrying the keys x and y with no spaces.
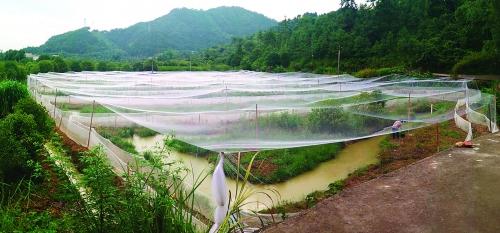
{"x":274,"y":166}
{"x":119,"y":136}
{"x":87,"y":108}
{"x":187,"y":148}
{"x":357,"y":99}
{"x":46,"y":202}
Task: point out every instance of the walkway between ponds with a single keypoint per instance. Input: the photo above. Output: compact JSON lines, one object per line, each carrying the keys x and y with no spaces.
{"x":453,"y":191}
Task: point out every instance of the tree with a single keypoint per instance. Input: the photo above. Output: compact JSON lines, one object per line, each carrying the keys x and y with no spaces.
{"x":87,"y":66}
{"x":14,"y":72}
{"x":60,"y":65}
{"x":14,"y":55}
{"x":102,"y":66}
{"x":351,"y":4}
{"x":46,"y":66}
{"x":10,"y":93}
{"x":495,"y":29}
{"x":75,"y":66}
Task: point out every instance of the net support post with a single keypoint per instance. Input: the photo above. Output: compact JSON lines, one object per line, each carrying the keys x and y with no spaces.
{"x":55,"y":104}
{"x":90,"y":125}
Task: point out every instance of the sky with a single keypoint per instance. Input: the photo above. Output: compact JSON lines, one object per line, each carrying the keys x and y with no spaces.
{"x":26,"y":23}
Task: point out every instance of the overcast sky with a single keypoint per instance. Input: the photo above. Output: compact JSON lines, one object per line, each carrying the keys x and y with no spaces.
{"x":31,"y":22}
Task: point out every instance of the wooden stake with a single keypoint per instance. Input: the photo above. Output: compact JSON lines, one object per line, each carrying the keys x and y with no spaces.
{"x":490,"y":116}
{"x":90,"y":126}
{"x":55,"y":104}
{"x":409,"y":105}
{"x":437,"y":136}
{"x":256,"y":122}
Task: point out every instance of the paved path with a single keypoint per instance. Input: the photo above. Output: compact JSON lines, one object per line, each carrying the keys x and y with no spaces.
{"x":453,"y":191}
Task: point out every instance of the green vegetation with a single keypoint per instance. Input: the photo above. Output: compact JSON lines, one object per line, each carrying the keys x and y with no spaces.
{"x":182,"y":29}
{"x":274,"y":166}
{"x":121,"y":136}
{"x":87,"y":108}
{"x":24,"y":127}
{"x":423,"y":35}
{"x":187,"y":148}
{"x":10,"y":93}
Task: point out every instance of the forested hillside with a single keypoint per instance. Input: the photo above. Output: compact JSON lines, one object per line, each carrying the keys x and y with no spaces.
{"x":429,"y":35}
{"x":182,"y":29}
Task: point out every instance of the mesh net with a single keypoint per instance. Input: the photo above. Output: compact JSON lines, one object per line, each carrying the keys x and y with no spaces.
{"x":246,"y":111}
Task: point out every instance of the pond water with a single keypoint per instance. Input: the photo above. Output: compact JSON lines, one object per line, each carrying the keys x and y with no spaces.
{"x":352,"y":157}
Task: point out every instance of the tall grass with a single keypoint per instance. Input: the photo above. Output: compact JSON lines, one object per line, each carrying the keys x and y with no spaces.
{"x":150,"y":197}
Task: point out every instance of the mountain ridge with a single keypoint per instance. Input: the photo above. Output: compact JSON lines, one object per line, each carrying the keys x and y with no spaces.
{"x":181,"y":29}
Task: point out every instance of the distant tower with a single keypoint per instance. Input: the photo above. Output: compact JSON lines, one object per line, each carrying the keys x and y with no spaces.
{"x":85,"y":22}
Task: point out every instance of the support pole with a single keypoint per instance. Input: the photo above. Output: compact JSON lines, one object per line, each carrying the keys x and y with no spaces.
{"x":256,"y":123}
{"x":490,"y":116}
{"x":55,"y":104}
{"x":409,"y":106}
{"x":60,"y":120}
{"x":432,"y":108}
{"x":90,"y":126}
{"x":437,"y":136}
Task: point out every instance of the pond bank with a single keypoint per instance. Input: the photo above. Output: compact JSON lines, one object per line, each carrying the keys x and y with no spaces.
{"x":352,"y":157}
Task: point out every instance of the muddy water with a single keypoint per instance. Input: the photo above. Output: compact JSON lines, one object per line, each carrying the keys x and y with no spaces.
{"x":353,"y":156}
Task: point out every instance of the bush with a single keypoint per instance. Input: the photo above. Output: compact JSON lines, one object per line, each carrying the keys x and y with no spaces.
{"x":187,"y":148}
{"x":10,"y":93}
{"x":46,"y":66}
{"x":19,"y":143}
{"x":12,"y":71}
{"x":478,"y":63}
{"x":44,"y":123}
{"x":366,"y":73}
{"x":144,"y":132}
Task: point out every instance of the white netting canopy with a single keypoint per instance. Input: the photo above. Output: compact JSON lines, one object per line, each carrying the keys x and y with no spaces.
{"x":245,"y":111}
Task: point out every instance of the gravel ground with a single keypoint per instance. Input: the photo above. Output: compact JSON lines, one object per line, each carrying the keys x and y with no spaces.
{"x":453,"y":191}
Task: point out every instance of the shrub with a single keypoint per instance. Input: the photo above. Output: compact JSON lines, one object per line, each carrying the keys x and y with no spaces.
{"x":46,"y":66}
{"x":44,"y":123}
{"x":366,"y":73}
{"x":14,"y":72}
{"x":19,"y":143}
{"x":10,"y":93}
{"x":184,"y":147}
{"x":123,"y":144}
{"x":335,"y":187}
{"x":478,"y":63}
{"x":144,"y":132}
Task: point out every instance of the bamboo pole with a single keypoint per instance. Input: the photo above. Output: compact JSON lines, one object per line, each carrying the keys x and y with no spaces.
{"x":90,"y":126}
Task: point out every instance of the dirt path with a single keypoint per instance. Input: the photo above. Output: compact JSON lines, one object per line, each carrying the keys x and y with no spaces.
{"x":453,"y":191}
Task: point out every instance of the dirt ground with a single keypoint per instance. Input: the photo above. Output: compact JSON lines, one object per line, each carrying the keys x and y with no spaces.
{"x":457,"y":190}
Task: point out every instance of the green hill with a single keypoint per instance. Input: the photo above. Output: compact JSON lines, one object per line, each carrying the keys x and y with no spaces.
{"x":182,"y":29}
{"x":440,"y":36}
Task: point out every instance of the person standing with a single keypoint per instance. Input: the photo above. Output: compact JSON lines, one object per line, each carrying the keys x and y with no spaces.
{"x":395,"y":129}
